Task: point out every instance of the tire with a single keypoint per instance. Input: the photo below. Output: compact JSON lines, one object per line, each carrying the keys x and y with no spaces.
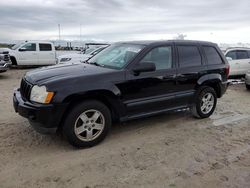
{"x":13,"y":60}
{"x":81,"y":123}
{"x":208,"y":95}
{"x":248,"y":87}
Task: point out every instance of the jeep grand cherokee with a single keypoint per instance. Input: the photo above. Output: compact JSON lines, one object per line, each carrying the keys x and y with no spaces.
{"x":127,"y":80}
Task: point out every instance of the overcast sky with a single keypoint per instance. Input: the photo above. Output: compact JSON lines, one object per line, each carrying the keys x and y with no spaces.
{"x":221,"y":21}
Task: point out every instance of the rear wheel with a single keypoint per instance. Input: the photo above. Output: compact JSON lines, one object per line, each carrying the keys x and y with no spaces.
{"x":87,"y":124}
{"x":205,"y":102}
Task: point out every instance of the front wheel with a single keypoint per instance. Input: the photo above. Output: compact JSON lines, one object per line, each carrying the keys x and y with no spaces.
{"x":205,"y":102}
{"x":87,"y":124}
{"x":248,"y":87}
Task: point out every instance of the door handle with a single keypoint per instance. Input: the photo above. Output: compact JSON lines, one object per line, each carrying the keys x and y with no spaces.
{"x":170,"y":76}
{"x":182,"y":77}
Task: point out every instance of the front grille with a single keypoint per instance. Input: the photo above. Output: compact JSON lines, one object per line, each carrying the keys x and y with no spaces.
{"x":25,"y":89}
{"x":6,"y":58}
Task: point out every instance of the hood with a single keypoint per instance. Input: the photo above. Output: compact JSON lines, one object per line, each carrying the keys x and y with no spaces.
{"x":5,"y":50}
{"x":64,"y":71}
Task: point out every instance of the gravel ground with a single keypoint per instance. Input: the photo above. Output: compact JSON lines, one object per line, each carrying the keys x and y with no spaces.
{"x":170,"y":150}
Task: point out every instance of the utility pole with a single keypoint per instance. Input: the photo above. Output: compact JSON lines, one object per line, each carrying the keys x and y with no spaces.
{"x":59,"y":32}
{"x":80,"y":35}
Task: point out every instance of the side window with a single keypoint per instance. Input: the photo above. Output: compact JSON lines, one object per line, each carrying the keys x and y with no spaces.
{"x":248,"y":53}
{"x":232,"y":54}
{"x":212,"y":55}
{"x":189,"y":56}
{"x":242,"y":54}
{"x":45,"y":47}
{"x":161,"y":57}
{"x":30,"y":47}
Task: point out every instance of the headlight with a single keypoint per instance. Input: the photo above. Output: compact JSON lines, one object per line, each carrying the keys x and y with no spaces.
{"x":41,"y":95}
{"x":65,"y":59}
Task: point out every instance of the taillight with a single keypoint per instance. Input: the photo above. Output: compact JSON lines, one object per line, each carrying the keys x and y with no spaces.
{"x":227,"y":70}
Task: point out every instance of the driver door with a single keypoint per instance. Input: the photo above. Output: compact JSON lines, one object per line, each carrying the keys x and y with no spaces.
{"x":151,"y":91}
{"x":27,"y":54}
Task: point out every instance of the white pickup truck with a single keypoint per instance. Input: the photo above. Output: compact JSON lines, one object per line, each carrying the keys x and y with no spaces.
{"x":33,"y":53}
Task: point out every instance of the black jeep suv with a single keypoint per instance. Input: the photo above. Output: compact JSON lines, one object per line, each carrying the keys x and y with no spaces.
{"x":127,"y":80}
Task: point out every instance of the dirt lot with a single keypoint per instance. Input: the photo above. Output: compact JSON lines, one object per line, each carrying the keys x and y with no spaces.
{"x":170,"y":150}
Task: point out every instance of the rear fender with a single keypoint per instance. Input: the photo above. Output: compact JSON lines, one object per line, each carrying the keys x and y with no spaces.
{"x":209,"y":78}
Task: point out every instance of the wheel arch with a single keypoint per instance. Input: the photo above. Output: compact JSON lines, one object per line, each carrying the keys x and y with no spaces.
{"x":13,"y":60}
{"x":211,"y":80}
{"x":105,"y":96}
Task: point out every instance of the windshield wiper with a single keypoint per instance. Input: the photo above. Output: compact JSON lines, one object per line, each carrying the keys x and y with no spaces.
{"x":95,"y":63}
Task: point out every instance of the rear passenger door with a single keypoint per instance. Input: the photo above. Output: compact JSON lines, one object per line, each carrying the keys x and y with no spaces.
{"x":191,"y":67}
{"x":46,"y":54}
{"x":215,"y":63}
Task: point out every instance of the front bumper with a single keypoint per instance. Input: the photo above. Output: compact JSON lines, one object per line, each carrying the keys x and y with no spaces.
{"x":44,"y":118}
{"x":4,"y":66}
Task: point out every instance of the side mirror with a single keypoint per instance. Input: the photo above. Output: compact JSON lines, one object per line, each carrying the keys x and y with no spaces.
{"x":229,"y":58}
{"x":22,"y":49}
{"x":144,"y":67}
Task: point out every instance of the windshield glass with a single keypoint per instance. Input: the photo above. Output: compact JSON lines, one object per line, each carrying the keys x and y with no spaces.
{"x":89,"y":50}
{"x":116,"y":56}
{"x":16,"y":46}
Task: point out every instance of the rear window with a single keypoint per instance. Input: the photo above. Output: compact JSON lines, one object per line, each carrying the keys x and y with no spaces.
{"x":45,"y":47}
{"x":212,"y":55}
{"x":189,"y":56}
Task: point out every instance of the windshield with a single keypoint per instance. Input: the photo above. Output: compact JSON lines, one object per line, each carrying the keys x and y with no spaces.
{"x":116,"y":56}
{"x":16,"y":46}
{"x":89,"y":50}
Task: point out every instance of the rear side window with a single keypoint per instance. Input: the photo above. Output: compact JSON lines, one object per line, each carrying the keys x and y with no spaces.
{"x":189,"y":56}
{"x":45,"y":47}
{"x":212,"y":55}
{"x":242,"y":54}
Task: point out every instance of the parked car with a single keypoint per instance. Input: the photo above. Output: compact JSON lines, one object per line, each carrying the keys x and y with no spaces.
{"x":5,"y":62}
{"x":33,"y":53}
{"x":126,"y":81}
{"x":77,"y":57}
{"x":239,"y":60}
{"x":247,"y":80}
